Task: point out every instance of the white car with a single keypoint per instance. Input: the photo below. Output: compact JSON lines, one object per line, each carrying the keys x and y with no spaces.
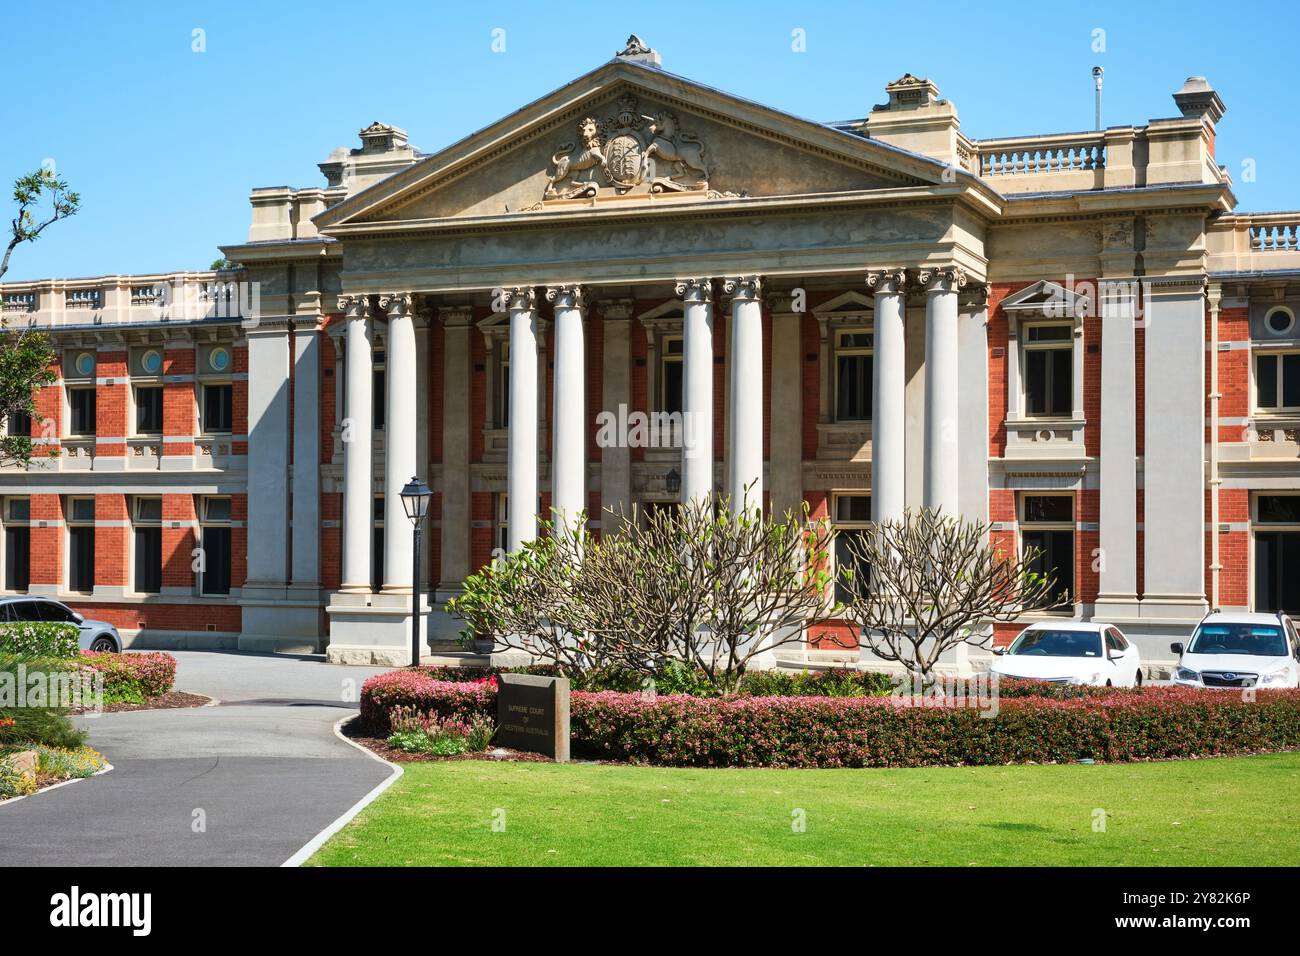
{"x":1072,"y":652}
{"x":1240,"y":650}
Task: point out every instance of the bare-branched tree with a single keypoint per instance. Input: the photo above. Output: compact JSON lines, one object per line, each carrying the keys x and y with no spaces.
{"x":934,"y":582}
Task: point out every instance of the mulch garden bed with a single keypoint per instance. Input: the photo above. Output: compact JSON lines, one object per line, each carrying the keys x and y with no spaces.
{"x":359,"y":734}
{"x":172,"y":700}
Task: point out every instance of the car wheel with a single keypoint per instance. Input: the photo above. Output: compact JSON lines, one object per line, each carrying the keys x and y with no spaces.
{"x":103,"y":644}
{"x":1108,"y":683}
{"x":1137,"y":681}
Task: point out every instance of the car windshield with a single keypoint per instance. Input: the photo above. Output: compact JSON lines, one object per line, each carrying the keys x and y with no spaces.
{"x":1259,"y":640}
{"x":1047,"y":643}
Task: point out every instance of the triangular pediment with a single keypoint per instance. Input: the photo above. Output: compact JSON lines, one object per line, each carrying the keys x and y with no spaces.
{"x":629,"y":133}
{"x":1046,"y":297}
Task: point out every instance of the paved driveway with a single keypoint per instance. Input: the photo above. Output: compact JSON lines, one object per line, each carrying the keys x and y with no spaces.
{"x":247,"y":782}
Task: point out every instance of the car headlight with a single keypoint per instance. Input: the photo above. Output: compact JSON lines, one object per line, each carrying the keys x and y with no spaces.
{"x":1087,"y":679}
{"x":1276,"y":678}
{"x":1184,"y":673}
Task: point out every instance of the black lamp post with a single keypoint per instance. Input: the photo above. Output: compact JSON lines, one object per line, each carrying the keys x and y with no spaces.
{"x":415,"y":500}
{"x":673,"y":482}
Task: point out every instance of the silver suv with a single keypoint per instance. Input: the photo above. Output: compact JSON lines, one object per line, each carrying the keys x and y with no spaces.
{"x":95,"y":635}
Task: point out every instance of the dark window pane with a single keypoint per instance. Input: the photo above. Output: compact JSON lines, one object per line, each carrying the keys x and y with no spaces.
{"x":217,"y":409}
{"x":671,"y":400}
{"x":1049,"y":508}
{"x":82,"y":407}
{"x":81,"y":559}
{"x":1036,"y":383}
{"x":1266,"y":381}
{"x":1054,"y":557}
{"x":1277,"y":571}
{"x":216,"y":560}
{"x":378,"y":399}
{"x":849,"y":585}
{"x":1280,"y":508}
{"x":54,"y":613}
{"x":1062,"y":380}
{"x":18,"y":550}
{"x":1291,"y":381}
{"x":148,"y":410}
{"x":20,"y":423}
{"x":377,"y":559}
{"x":853,"y":508}
{"x":1050,"y":333}
{"x":853,"y":388}
{"x":26,"y":611}
{"x":148,"y":560}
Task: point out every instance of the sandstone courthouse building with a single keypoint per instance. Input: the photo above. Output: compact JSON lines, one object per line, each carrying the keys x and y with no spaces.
{"x":1070,"y":335}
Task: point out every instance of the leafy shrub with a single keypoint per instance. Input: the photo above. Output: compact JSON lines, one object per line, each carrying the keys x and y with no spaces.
{"x":133,"y":677}
{"x":40,"y":639}
{"x":414,"y":732}
{"x":33,"y":725}
{"x":13,"y":783}
{"x":680,"y":730}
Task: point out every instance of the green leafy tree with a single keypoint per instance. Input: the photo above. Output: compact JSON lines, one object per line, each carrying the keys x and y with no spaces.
{"x":26,"y":356}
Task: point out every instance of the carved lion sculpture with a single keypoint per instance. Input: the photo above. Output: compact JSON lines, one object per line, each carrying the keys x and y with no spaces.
{"x":568,"y":166}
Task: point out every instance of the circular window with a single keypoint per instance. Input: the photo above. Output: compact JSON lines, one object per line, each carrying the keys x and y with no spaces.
{"x":151,"y":362}
{"x":85,"y":364}
{"x":219,"y":359}
{"x":1280,"y":320}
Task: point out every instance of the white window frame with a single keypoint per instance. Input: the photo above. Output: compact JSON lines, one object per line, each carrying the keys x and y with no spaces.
{"x":847,"y":524}
{"x":207,"y":521}
{"x":70,"y":521}
{"x":1054,"y":345}
{"x":7,"y":520}
{"x":1288,"y":411}
{"x":1072,"y":526}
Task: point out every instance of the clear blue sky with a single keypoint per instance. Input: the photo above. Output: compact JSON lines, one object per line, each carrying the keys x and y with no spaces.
{"x":164,"y":143}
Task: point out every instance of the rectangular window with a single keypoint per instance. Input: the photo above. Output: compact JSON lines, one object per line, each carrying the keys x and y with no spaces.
{"x":379,"y":391}
{"x":19,"y":422}
{"x":1047,"y":540}
{"x":215,"y":541}
{"x":18,"y":544}
{"x":81,"y":405}
{"x":502,"y":525}
{"x":670,"y":374}
{"x":218,"y":408}
{"x":1277,"y":553}
{"x":853,"y":371}
{"x":851,"y":518}
{"x":1277,"y":381}
{"x":81,"y":558}
{"x":147,"y":532}
{"x":148,"y":410}
{"x":1049,"y":371}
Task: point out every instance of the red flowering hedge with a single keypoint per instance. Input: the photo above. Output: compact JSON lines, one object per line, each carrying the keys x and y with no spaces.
{"x":134,"y":676}
{"x":1155,"y":723}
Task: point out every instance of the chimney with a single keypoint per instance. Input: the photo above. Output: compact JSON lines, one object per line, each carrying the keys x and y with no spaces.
{"x":916,"y":119}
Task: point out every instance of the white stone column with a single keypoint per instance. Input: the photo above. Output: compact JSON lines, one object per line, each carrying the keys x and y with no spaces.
{"x":358,"y":442}
{"x":697,"y":388}
{"x":521,"y":445}
{"x":306,"y":456}
{"x":399,"y":441}
{"x":1117,"y":537}
{"x":745,"y":453}
{"x":942,"y":486}
{"x":888,"y":397}
{"x":568,"y":431}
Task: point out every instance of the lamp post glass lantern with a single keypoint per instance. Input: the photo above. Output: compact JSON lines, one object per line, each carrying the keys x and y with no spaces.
{"x":415,"y":501}
{"x":673,"y":482}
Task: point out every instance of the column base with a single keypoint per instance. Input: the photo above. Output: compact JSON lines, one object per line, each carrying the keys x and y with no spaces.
{"x":369,"y":628}
{"x":1112,"y":608}
{"x":1174,"y":608}
{"x":277,"y":619}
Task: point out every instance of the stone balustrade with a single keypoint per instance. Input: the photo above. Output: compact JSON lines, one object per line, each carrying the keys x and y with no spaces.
{"x":1036,"y":155}
{"x":1249,"y":242}
{"x":124,"y":300}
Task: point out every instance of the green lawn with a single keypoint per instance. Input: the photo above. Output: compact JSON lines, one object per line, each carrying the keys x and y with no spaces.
{"x":1225,"y":811}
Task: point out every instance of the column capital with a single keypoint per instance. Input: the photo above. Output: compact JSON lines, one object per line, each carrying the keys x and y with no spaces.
{"x":396,"y":304}
{"x":566,"y":296}
{"x":355,"y":306}
{"x":744,"y":288}
{"x":694,"y":289}
{"x":520,"y":298}
{"x":456,"y":315}
{"x":887,"y":281}
{"x":941,"y":278}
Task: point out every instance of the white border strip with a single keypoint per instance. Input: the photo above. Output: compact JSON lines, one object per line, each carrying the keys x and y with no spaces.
{"x":316,"y":842}
{"x":55,"y":786}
